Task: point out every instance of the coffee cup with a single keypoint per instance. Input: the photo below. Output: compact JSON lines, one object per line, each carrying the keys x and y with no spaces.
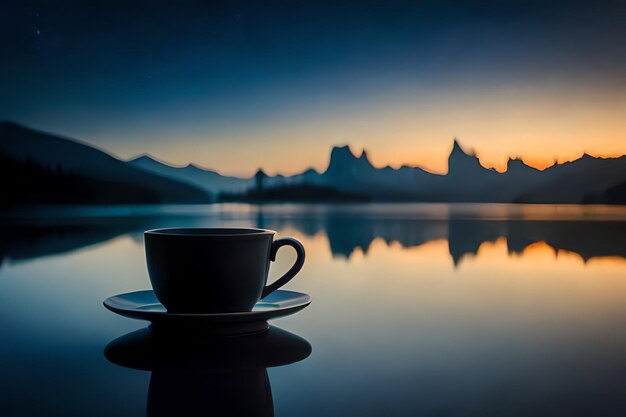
{"x":214,"y":270}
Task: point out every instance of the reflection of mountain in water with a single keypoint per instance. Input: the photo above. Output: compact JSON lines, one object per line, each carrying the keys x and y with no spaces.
{"x":34,"y":238}
{"x":21,"y":243}
{"x":588,"y":239}
{"x":346,"y":232}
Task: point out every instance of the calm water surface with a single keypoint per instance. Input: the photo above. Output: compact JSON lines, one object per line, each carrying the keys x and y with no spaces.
{"x":439,"y":310}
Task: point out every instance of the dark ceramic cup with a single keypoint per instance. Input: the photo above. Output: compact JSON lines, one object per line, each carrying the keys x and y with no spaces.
{"x":202,"y":270}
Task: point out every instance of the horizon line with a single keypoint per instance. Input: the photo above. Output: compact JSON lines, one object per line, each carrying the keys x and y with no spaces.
{"x":467,"y":151}
{"x":470,"y":151}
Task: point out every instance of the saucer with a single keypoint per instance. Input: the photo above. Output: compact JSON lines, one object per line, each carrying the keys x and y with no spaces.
{"x":144,"y":305}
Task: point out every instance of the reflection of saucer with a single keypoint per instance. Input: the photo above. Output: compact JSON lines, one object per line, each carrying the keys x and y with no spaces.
{"x":144,"y":305}
{"x":148,"y":350}
{"x":194,"y":375}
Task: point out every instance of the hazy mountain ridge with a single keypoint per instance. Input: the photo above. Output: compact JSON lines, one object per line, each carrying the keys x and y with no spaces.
{"x":206,"y":179}
{"x":587,"y":179}
{"x":79,"y":165}
{"x":573,"y":182}
{"x":466,"y":181}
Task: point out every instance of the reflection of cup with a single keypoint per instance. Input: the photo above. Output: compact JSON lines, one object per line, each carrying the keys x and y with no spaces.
{"x":192,"y":375}
{"x":201,"y":270}
{"x":244,"y":392}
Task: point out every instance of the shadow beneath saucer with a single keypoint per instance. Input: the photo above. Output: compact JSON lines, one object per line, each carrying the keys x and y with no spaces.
{"x":193,"y":375}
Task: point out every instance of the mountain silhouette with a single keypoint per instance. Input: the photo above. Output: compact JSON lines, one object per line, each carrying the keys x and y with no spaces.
{"x":54,"y":169}
{"x":350,"y":173}
{"x":615,"y":194}
{"x":344,"y":167}
{"x":214,"y":182}
{"x":146,"y":179}
{"x":468,"y":181}
{"x":572,"y":181}
{"x":587,"y":179}
{"x":206,"y":179}
{"x":461,"y":163}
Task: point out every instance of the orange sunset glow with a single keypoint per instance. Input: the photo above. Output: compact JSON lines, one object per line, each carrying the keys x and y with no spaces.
{"x":539,"y":124}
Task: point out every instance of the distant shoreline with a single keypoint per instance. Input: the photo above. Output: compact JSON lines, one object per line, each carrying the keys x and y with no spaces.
{"x":40,"y":168}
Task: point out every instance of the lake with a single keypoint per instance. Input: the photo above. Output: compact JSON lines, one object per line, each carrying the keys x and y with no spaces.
{"x":418,"y":309}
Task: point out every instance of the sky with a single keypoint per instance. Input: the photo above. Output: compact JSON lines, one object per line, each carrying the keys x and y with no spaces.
{"x":238,"y":86}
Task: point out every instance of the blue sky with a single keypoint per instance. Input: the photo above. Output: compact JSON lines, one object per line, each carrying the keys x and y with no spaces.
{"x":235,"y":86}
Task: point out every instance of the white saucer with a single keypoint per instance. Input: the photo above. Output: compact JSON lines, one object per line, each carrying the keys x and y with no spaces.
{"x":143,"y":305}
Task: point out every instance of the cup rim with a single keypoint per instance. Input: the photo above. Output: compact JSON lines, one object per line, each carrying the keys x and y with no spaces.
{"x":225,"y":232}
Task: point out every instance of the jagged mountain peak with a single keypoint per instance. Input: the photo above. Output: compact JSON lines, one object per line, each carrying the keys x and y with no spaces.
{"x":457,"y":149}
{"x":345,"y":155}
{"x":196,"y":167}
{"x":461,"y":161}
{"x":518,"y":164}
{"x":144,"y":157}
{"x":147,"y":159}
{"x":342,"y":151}
{"x":343,"y":160}
{"x":346,"y":151}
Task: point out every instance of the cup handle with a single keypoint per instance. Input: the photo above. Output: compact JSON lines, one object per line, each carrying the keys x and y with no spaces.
{"x":297,"y":266}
